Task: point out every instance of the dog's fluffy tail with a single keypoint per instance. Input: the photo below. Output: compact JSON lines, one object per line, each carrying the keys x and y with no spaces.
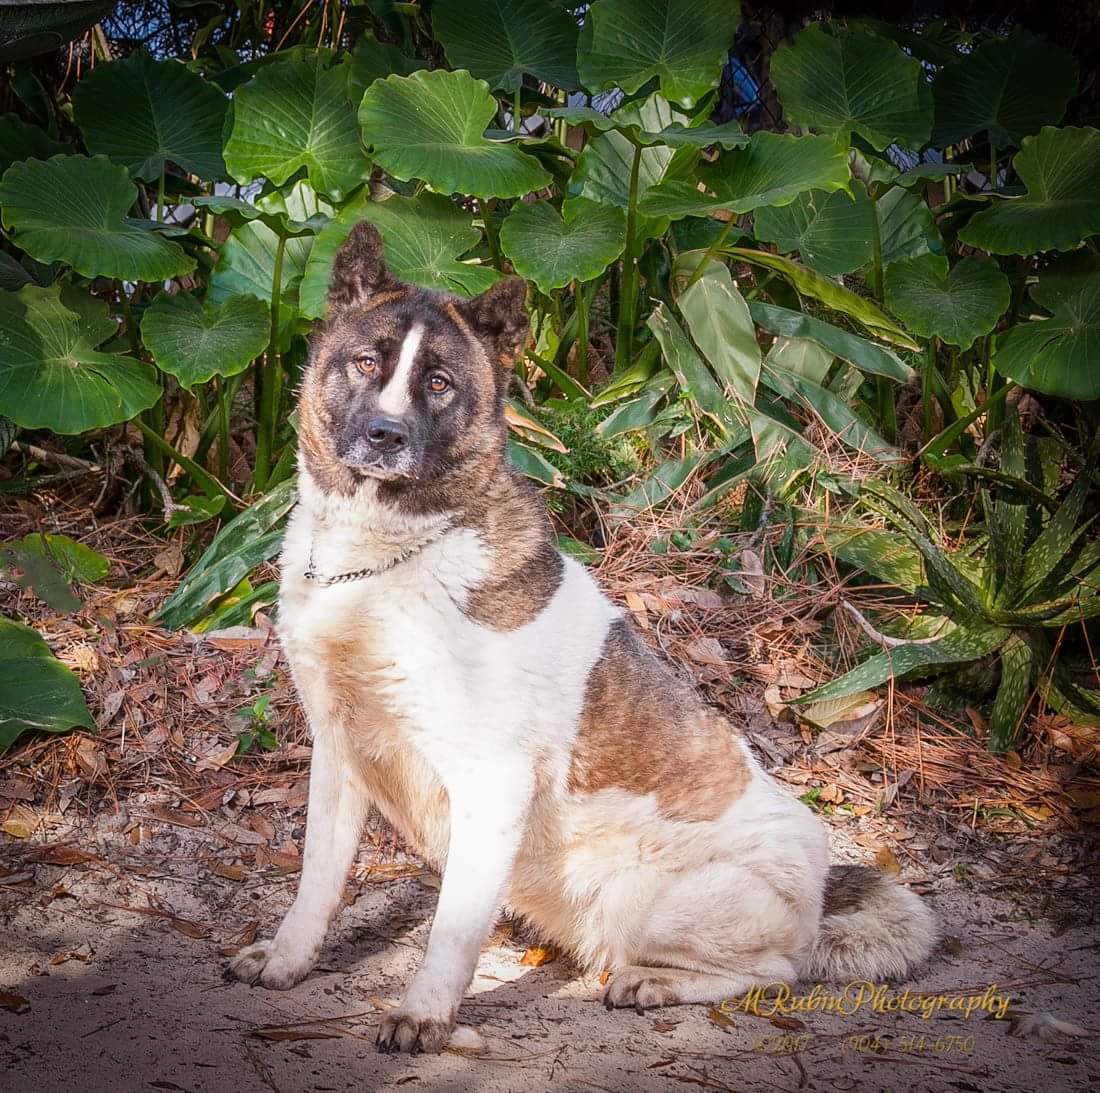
{"x":871,"y":928}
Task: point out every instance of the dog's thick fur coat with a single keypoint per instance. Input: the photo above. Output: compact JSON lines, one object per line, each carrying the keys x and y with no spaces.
{"x":488,"y":699}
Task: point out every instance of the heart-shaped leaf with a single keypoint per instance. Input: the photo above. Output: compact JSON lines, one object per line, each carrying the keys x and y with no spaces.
{"x":195,"y":342}
{"x":853,"y":83}
{"x":247,"y":259}
{"x":1009,"y":87}
{"x":295,"y":115}
{"x":72,"y":209}
{"x":431,"y":126}
{"x":500,"y":40}
{"x":956,"y":306}
{"x":773,"y":168}
{"x":37,"y":692}
{"x":552,"y":251}
{"x":683,"y":43}
{"x":53,"y":377}
{"x":1057,"y":355}
{"x":18,"y":140}
{"x":832,"y":232}
{"x":1061,"y":170}
{"x":372,"y":60}
{"x":142,"y":113}
{"x":422,"y":239}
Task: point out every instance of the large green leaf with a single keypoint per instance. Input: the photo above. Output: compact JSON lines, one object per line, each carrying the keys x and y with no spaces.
{"x":431,"y":126}
{"x":906,"y":226}
{"x":865,"y":355}
{"x":195,"y":342}
{"x":75,"y":561}
{"x":552,"y":251}
{"x":853,"y":83}
{"x":695,"y":379}
{"x":956,"y":306}
{"x":52,"y":375}
{"x":240,"y":546}
{"x":720,"y":325}
{"x":246,"y":261}
{"x":811,"y":283}
{"x":1058,"y":355}
{"x":72,"y":209}
{"x":683,"y":43}
{"x":831,"y":231}
{"x":1009,"y":87}
{"x":773,"y":168}
{"x":295,"y":115}
{"x":37,"y":692}
{"x":1061,"y":170}
{"x":18,"y":140}
{"x":603,"y":169}
{"x":143,"y":113}
{"x":422,"y":238}
{"x":500,"y":40}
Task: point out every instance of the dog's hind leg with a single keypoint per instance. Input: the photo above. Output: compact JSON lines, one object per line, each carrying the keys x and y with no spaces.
{"x":334,"y":822}
{"x":644,"y":988}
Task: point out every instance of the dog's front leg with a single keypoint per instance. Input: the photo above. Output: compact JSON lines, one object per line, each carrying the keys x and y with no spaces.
{"x":487,"y":820}
{"x":334,"y":823}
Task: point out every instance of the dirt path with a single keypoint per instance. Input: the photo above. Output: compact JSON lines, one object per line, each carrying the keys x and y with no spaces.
{"x":123,"y":1000}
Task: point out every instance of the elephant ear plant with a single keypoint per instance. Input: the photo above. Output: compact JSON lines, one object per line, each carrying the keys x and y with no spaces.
{"x":1037,"y":574}
{"x":725,"y":306}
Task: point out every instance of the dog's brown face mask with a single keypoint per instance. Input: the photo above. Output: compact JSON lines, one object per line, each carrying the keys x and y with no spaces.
{"x":405,"y":386}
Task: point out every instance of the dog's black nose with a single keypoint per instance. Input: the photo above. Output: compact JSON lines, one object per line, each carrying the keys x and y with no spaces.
{"x":387,"y":435}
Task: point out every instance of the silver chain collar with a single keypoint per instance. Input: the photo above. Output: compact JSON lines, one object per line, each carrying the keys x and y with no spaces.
{"x":350,"y":575}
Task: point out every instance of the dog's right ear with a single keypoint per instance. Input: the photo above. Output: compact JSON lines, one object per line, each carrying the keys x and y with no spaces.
{"x":359,"y":270}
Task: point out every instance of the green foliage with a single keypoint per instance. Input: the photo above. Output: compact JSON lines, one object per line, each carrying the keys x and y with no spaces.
{"x":37,"y":692}
{"x":131,"y":289}
{"x":1036,"y":573}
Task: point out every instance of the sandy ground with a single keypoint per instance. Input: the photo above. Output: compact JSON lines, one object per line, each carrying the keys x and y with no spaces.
{"x":127,"y":1000}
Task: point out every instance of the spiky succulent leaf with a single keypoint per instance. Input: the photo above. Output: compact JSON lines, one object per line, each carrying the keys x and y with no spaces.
{"x":883,"y":554}
{"x":1017,"y":671}
{"x":1057,"y":536}
{"x":1010,"y":511}
{"x":959,"y":647}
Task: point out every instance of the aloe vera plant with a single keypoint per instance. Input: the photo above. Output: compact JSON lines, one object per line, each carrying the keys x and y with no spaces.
{"x":1037,"y":573}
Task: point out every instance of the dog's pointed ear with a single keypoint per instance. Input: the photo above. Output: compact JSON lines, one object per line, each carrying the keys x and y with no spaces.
{"x":499,"y":319}
{"x":359,"y":270}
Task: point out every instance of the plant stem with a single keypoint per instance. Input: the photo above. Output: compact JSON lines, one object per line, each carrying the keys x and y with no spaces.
{"x":711,"y":251}
{"x":269,"y":377}
{"x":224,"y":399}
{"x":926,"y":395}
{"x":580,"y":309}
{"x":492,"y":234}
{"x":160,"y":197}
{"x":628,"y":289}
{"x":206,"y":481}
{"x":992,"y":163}
{"x":517,"y":116}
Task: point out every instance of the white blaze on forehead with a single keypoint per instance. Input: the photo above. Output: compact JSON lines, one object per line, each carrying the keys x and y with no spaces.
{"x":395,"y":395}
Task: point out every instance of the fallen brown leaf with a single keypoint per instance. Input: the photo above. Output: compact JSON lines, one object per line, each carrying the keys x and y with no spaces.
{"x":538,"y":955}
{"x":16,"y":1003}
{"x":887,"y":861}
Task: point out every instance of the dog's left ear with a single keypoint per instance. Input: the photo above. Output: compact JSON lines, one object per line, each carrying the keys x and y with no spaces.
{"x":498,"y":317}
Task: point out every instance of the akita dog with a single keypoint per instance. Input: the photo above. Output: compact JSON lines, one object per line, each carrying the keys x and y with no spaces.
{"x":480,"y":690}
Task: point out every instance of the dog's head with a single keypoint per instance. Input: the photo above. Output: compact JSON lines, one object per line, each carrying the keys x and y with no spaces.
{"x":405,"y":386}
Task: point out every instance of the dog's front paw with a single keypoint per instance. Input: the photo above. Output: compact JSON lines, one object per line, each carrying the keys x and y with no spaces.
{"x":269,"y":965}
{"x":413,"y":1031}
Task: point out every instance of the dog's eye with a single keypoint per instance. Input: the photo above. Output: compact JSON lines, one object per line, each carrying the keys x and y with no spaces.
{"x":366,"y":364}
{"x":438,"y":383}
